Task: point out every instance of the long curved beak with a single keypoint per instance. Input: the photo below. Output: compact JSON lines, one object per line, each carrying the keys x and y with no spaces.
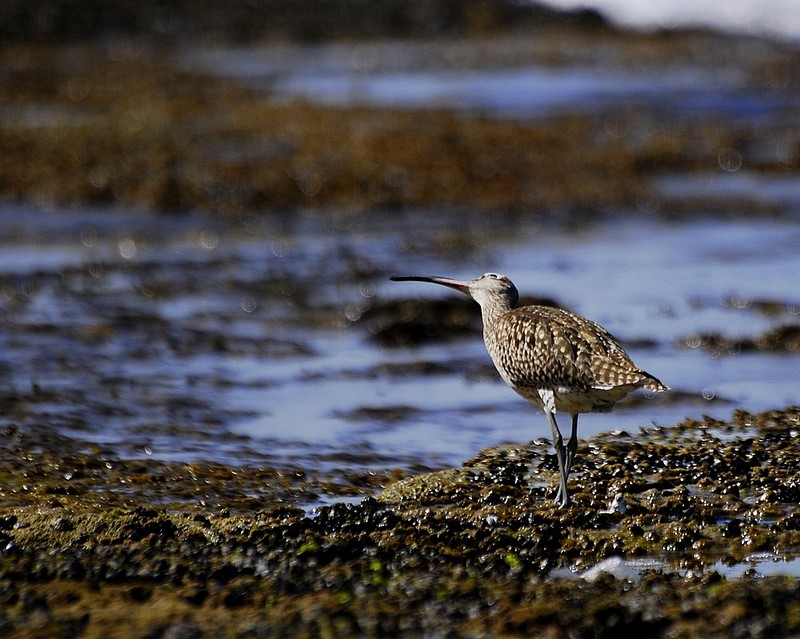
{"x":459,"y":285}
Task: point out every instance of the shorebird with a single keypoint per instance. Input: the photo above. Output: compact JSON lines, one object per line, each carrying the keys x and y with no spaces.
{"x":557,"y":360}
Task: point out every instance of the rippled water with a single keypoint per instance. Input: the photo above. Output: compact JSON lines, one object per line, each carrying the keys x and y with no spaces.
{"x":242,"y":341}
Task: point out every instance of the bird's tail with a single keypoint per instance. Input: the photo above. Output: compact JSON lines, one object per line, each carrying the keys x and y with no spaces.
{"x":654,"y":384}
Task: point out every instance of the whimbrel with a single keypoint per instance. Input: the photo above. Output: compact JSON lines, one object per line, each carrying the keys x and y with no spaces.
{"x":558,"y":361}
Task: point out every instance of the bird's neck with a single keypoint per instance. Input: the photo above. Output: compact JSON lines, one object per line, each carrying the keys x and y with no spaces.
{"x":490,"y":313}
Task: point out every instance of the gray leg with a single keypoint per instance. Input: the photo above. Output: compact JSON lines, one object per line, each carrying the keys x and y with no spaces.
{"x":572,"y":444}
{"x":562,"y":496}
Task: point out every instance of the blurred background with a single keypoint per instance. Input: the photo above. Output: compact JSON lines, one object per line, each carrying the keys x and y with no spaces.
{"x":201,"y":203}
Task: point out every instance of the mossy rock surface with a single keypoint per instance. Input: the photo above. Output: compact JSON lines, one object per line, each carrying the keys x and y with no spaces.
{"x":479,"y":550}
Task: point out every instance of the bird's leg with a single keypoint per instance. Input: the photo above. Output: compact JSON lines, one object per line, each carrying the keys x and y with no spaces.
{"x":572,"y":444}
{"x":568,"y":450}
{"x":562,"y":496}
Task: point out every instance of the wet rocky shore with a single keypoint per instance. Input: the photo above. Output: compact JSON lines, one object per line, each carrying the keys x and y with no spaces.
{"x":99,"y":546}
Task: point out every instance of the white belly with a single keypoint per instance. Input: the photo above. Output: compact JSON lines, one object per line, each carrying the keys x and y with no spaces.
{"x":572,"y":402}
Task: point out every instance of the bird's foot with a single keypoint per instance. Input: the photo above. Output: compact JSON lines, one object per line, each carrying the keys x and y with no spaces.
{"x":563,"y":503}
{"x":562,"y":498}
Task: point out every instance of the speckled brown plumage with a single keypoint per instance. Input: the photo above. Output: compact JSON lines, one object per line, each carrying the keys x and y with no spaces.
{"x":538,"y":347}
{"x":559,"y":361}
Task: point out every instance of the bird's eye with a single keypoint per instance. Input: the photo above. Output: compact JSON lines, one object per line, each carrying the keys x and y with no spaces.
{"x":493,"y":276}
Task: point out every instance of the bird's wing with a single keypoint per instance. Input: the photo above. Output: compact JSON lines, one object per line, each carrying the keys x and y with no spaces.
{"x":537,"y":346}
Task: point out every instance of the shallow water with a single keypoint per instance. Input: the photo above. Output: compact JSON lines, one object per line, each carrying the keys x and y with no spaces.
{"x":505,"y":78}
{"x":757,"y":565}
{"x":248,"y":339}
{"x":242,"y":341}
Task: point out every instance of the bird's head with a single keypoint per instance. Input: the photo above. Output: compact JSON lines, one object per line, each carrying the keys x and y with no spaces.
{"x":489,"y":290}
